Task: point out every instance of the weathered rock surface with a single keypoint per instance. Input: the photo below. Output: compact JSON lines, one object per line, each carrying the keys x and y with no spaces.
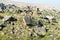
{"x":30,"y":21}
{"x":40,"y":30}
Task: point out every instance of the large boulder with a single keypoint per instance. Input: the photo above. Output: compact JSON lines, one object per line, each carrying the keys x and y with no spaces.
{"x":40,"y":30}
{"x":49,"y":18}
{"x":9,"y":18}
{"x":30,"y":21}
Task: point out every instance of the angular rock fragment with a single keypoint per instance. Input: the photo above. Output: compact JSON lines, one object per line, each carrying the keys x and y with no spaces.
{"x":9,"y":18}
{"x":49,"y":18}
{"x":30,"y":21}
{"x":40,"y":30}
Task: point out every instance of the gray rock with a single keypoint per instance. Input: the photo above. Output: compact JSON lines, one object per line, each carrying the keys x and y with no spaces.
{"x":30,"y":21}
{"x":10,"y":8}
{"x":49,"y":19}
{"x":9,"y":18}
{"x":40,"y":30}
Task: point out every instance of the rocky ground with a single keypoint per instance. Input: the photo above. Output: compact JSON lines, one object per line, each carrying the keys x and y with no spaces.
{"x":29,"y":23}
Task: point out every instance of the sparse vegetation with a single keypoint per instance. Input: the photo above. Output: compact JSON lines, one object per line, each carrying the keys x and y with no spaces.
{"x":18,"y":30}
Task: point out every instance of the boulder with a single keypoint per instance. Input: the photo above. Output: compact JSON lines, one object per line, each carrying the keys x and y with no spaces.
{"x":49,"y":18}
{"x":2,"y":26}
{"x":30,"y":21}
{"x":2,"y":7}
{"x":19,"y":11}
{"x":29,"y":9}
{"x":40,"y":30}
{"x":10,"y":8}
{"x":40,"y":24}
{"x":9,"y":18}
{"x":54,"y":20}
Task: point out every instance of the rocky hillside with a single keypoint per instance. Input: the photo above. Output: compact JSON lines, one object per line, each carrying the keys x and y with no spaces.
{"x":29,"y":23}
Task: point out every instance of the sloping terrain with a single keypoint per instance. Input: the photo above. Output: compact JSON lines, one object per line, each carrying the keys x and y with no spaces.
{"x":29,"y":22}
